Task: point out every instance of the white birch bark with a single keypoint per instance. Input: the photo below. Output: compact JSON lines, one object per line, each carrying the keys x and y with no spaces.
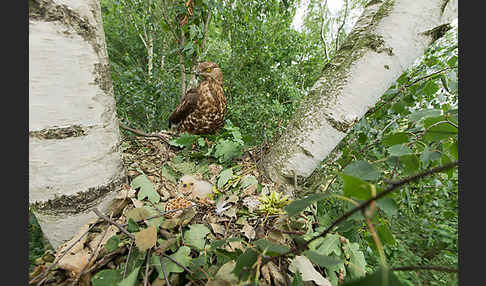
{"x":74,"y":157}
{"x":386,"y":40}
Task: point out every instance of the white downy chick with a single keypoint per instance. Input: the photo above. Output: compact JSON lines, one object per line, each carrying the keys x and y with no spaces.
{"x":194,"y":187}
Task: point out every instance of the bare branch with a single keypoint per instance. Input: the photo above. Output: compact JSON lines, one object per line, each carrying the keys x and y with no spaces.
{"x":323,"y":40}
{"x":417,"y":268}
{"x":342,"y":25}
{"x":107,"y":219}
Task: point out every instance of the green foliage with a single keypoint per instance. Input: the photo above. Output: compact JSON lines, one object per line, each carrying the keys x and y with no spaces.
{"x":268,"y":67}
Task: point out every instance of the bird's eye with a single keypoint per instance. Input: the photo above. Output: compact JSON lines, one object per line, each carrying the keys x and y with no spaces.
{"x":185,"y":185}
{"x":191,"y":184}
{"x":208,"y":69}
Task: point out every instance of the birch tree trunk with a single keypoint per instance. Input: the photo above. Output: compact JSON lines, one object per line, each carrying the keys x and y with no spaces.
{"x":388,"y":37}
{"x":74,"y":156}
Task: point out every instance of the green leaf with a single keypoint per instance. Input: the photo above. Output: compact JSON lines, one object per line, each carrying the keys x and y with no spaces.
{"x":147,"y":189}
{"x":430,"y":88}
{"x":322,"y":260}
{"x":439,"y":132}
{"x":395,"y":138}
{"x":295,"y":207}
{"x":297,"y":280}
{"x":424,"y":113}
{"x":357,"y":262}
{"x":224,"y":177}
{"x":362,"y":170}
{"x":132,"y":225}
{"x":227,"y":150}
{"x":271,"y":249}
{"x":184,"y":141}
{"x":378,"y":278}
{"x":195,"y":236}
{"x":244,"y":263}
{"x":355,"y":187}
{"x":182,"y":256}
{"x":112,"y":243}
{"x":428,"y":156}
{"x":248,"y":181}
{"x":399,"y":150}
{"x":327,"y":245}
{"x":388,"y":205}
{"x":131,"y":279}
{"x":385,"y":234}
{"x":168,"y":174}
{"x":185,"y":167}
{"x":107,"y":277}
{"x":454,"y":150}
{"x":410,"y":164}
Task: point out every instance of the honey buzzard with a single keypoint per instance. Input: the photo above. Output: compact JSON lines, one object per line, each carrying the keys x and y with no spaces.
{"x":202,"y":109}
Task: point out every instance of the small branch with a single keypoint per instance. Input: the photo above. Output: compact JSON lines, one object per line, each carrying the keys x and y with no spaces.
{"x":145,"y":279}
{"x":161,"y":214}
{"x":94,"y":252}
{"x":427,"y":76}
{"x":342,"y":25}
{"x":165,"y":274}
{"x":128,"y":258}
{"x":176,"y":262}
{"x":107,"y":219}
{"x":141,"y":133}
{"x":393,"y":186}
{"x":43,"y":274}
{"x":417,"y":268}
{"x":322,"y":29}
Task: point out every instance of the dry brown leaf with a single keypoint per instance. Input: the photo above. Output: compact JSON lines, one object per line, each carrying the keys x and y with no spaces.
{"x":217,"y":228}
{"x":138,"y":213}
{"x":146,"y":238}
{"x":249,"y":231}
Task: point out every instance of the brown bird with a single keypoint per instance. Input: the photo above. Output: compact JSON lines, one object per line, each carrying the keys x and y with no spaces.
{"x":202,"y":109}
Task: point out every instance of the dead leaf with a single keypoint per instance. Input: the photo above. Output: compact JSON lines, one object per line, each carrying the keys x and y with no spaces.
{"x":146,"y":238}
{"x":309,"y":273}
{"x":231,"y":212}
{"x":217,"y":228}
{"x":138,"y":213}
{"x":249,"y":231}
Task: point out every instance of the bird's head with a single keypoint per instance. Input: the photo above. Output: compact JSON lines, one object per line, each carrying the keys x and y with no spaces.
{"x":209,"y":70}
{"x":187,"y":183}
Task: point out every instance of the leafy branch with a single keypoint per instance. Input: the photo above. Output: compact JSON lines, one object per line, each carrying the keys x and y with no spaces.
{"x":393,"y":186}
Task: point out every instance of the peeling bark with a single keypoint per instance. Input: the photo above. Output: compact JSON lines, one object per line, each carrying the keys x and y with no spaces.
{"x":388,"y":37}
{"x":74,"y":157}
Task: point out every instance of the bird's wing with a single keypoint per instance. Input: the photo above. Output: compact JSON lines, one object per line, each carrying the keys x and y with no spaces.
{"x":185,"y":107}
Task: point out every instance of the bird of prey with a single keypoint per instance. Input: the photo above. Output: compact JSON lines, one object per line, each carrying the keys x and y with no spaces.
{"x":202,"y":109}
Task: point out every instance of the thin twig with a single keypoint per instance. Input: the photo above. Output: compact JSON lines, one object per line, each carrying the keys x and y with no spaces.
{"x":342,"y":25}
{"x":393,"y":186}
{"x":427,"y":76}
{"x":141,"y":133}
{"x":161,"y":214}
{"x":128,"y":258}
{"x":93,"y":254}
{"x":121,"y":228}
{"x":165,"y":274}
{"x":176,"y":262}
{"x":415,"y":268}
{"x":45,"y":272}
{"x":145,"y":279}
{"x":323,"y":40}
